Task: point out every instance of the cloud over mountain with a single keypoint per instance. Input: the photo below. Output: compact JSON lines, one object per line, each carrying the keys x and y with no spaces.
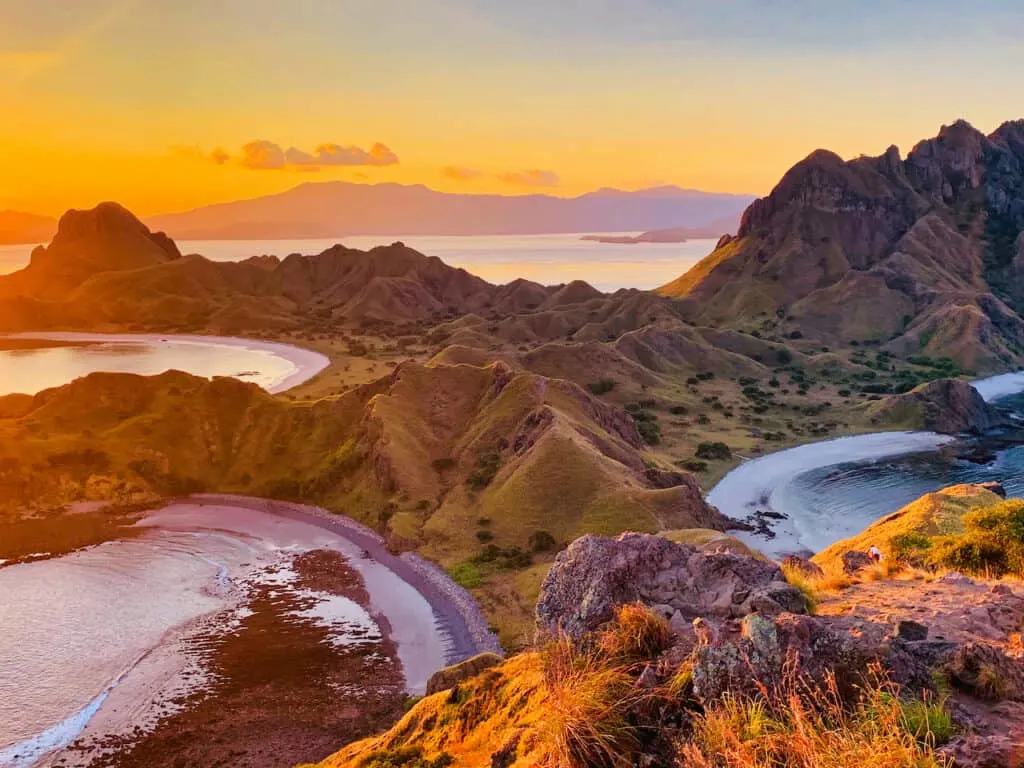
{"x":461,"y":174}
{"x":263,"y":155}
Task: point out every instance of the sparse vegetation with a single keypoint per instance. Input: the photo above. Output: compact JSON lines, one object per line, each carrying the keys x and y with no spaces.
{"x":601,"y":386}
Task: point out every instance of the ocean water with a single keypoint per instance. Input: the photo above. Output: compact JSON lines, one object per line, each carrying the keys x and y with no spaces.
{"x":548,"y":259}
{"x":858,"y":493}
{"x":271,"y":366}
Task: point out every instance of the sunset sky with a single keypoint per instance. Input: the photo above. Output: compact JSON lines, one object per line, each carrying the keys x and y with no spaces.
{"x":170,"y":104}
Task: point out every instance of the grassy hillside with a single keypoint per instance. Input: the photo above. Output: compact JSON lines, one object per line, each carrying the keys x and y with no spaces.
{"x":484,"y":469}
{"x":935,"y":514}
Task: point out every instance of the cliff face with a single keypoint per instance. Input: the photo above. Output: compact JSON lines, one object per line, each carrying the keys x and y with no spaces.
{"x":923,"y":254}
{"x":948,"y":406}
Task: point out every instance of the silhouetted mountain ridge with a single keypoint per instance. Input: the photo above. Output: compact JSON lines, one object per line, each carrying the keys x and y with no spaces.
{"x":337,"y":208}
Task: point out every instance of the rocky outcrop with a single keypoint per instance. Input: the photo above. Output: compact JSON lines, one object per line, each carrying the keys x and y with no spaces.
{"x":920,"y":254}
{"x":594,"y":575}
{"x":854,"y":562}
{"x":948,"y":406}
{"x":449,"y":677}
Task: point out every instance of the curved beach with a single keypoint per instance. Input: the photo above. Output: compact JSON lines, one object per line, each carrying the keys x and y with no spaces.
{"x":764,"y":485}
{"x":222,"y":549}
{"x":303,"y":364}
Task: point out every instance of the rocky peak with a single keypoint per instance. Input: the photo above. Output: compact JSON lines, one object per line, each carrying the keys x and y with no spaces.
{"x":951,"y":164}
{"x":105,"y":238}
{"x":1011,"y":136}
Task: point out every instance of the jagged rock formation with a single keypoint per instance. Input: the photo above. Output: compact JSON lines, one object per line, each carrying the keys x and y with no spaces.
{"x":921,"y":254}
{"x":595,"y":575}
{"x":948,"y":406}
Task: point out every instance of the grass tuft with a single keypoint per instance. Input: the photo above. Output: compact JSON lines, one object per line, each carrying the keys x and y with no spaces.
{"x":636,"y":633}
{"x":586,"y":725}
{"x":814,"y":730}
{"x":807,"y":585}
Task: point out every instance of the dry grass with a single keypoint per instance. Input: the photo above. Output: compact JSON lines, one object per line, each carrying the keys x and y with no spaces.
{"x":797,"y":729}
{"x":991,"y":683}
{"x":585,"y":723}
{"x":636,"y":633}
{"x":807,"y":584}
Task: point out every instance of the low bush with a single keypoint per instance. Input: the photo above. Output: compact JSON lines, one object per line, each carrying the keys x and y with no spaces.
{"x":466,"y":574}
{"x":601,"y":386}
{"x":992,"y":542}
{"x":542,"y":541}
{"x":693,"y":465}
{"x":713,"y":451}
{"x":487,"y":466}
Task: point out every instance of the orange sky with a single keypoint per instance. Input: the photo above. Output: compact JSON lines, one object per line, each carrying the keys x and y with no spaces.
{"x":128,"y":99}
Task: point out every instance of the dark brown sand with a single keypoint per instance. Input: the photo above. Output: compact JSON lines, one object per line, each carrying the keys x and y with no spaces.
{"x":280,"y":695}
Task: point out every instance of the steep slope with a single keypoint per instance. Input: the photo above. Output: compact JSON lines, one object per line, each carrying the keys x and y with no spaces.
{"x":933,"y":514}
{"x":921,"y":254}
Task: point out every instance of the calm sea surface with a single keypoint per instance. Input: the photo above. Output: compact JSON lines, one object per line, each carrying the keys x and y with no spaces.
{"x":548,"y":259}
{"x":272,"y":366}
{"x":860,"y":493}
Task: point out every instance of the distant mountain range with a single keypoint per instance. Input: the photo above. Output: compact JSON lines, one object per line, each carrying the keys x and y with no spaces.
{"x":17,"y":227}
{"x":336,"y":209}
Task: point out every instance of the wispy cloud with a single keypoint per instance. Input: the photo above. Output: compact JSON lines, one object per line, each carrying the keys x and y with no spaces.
{"x":461,"y":174}
{"x":531,"y":178}
{"x":263,"y":155}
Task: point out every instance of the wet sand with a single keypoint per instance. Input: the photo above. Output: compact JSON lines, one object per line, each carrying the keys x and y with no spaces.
{"x":456,"y":611}
{"x":275,"y":692}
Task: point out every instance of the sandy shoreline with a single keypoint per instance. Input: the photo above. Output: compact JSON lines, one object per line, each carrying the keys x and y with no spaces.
{"x":439,"y":626}
{"x":761,"y":485}
{"x":305,"y":363}
{"x":455,"y":609}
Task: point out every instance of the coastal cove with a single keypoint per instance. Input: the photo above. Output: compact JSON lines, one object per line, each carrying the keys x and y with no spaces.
{"x":36,"y":360}
{"x":201,"y":576}
{"x":818,"y":493}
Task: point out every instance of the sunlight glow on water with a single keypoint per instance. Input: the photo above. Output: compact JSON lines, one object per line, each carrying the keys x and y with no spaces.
{"x":273,"y":367}
{"x":547,"y":259}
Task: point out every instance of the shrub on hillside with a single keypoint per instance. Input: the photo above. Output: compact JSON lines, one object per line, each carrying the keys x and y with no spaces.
{"x":713,"y":451}
{"x":650,"y":431}
{"x":693,"y":465}
{"x":992,"y":542}
{"x":487,"y":466}
{"x":601,"y":386}
{"x":542,"y":541}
